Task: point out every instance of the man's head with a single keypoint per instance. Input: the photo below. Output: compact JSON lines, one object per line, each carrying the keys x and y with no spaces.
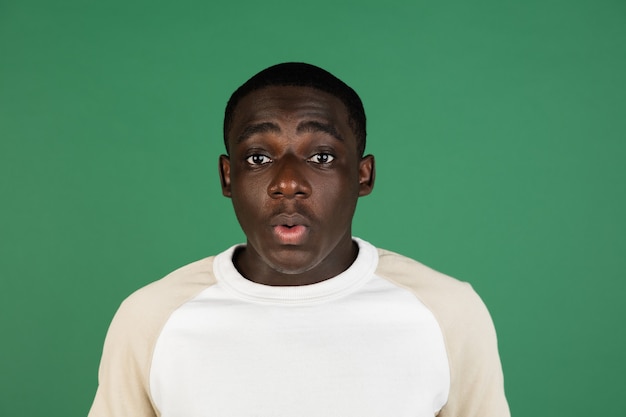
{"x":299,"y":74}
{"x":294,"y":173}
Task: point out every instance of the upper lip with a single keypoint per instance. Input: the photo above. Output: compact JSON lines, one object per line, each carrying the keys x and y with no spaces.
{"x":285,"y":219}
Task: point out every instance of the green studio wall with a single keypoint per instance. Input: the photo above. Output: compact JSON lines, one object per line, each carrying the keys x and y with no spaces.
{"x":499,"y":130}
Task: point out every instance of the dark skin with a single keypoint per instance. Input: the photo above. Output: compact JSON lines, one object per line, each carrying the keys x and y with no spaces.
{"x":294,"y":176}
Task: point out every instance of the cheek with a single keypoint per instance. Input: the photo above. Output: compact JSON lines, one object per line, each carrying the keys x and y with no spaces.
{"x":248,"y":189}
{"x":248,"y":200}
{"x":338,"y":200}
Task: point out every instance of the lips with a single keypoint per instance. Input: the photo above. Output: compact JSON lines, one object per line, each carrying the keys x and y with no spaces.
{"x":290,"y":229}
{"x":290,"y":235}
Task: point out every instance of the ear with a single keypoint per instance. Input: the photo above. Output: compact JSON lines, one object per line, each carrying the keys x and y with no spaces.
{"x":367,"y":175}
{"x":224,"y":166}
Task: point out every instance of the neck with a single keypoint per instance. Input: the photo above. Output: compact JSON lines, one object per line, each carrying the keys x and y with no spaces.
{"x":251,"y":266}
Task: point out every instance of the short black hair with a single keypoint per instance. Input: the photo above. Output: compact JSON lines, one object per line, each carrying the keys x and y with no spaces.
{"x":300,"y":74}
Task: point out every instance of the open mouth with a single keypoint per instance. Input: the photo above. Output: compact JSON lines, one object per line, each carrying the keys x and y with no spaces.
{"x":290,"y":234}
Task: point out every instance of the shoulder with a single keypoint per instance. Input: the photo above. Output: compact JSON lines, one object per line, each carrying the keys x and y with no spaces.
{"x":127,"y":354}
{"x":468,"y":333}
{"x":455,"y":304}
{"x":431,"y":286}
{"x":165,"y":295}
{"x":141,"y":316}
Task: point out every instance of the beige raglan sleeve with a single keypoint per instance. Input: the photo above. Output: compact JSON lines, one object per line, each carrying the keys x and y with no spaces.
{"x":476,"y":380}
{"x":124,"y":374}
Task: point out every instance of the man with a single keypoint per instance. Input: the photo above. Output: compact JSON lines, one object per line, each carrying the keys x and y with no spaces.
{"x":304,"y":319}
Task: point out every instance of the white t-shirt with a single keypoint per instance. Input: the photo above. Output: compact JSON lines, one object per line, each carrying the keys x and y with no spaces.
{"x":387,"y":337}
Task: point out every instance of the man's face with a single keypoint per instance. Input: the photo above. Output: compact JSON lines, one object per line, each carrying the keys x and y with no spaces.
{"x":294,"y":176}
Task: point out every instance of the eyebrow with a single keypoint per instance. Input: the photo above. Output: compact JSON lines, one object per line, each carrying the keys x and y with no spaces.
{"x":254,"y":129}
{"x":313,"y":126}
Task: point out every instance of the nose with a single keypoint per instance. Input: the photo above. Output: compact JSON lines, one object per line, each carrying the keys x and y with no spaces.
{"x":289,"y":179}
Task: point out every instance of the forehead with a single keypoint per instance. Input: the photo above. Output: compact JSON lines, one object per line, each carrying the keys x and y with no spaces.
{"x":289,"y":103}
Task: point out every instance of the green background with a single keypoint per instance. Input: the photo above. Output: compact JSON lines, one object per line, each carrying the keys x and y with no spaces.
{"x":499,"y":129}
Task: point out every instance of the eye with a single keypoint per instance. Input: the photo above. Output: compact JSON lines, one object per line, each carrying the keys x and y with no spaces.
{"x":321,"y":158}
{"x":258,"y":159}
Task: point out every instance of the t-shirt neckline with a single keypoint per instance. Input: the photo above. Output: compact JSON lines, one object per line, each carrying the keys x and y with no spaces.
{"x":361,"y":270}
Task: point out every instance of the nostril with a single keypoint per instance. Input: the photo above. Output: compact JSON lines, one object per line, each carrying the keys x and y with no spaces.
{"x":289,"y":188}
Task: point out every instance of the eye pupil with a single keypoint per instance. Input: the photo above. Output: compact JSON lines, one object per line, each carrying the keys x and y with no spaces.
{"x":258,"y":159}
{"x":322,"y":158}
